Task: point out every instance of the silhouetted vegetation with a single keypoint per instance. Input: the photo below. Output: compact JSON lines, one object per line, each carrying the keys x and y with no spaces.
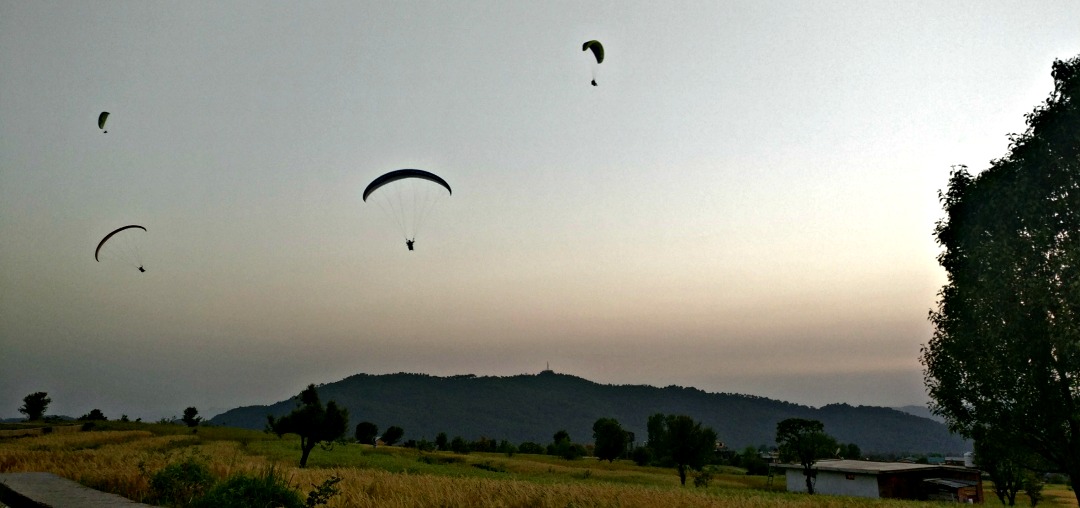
{"x":1002,"y":360}
{"x":804,"y":442}
{"x":34,"y":406}
{"x":312,"y":422}
{"x":191,"y":418}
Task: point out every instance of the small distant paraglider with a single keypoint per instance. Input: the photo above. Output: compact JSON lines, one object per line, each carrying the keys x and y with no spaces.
{"x":101,"y":121}
{"x":122,"y":245}
{"x":598,"y":52}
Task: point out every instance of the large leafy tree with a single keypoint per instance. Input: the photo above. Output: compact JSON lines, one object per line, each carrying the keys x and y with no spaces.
{"x":804,"y":441}
{"x":34,"y":405}
{"x":609,"y":439}
{"x":312,"y":422}
{"x":679,"y":441}
{"x":1005,"y":352}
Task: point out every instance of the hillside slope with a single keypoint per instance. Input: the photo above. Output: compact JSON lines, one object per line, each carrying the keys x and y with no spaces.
{"x":533,"y":407}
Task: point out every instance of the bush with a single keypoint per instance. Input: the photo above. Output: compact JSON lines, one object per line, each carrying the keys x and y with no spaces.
{"x":530,"y":447}
{"x":642,"y":456}
{"x":242,"y":491}
{"x":180,"y":483}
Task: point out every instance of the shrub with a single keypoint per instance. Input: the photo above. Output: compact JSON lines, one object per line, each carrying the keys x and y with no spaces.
{"x":323,"y":493}
{"x":530,"y":447}
{"x":178,"y":484}
{"x":242,"y":491}
{"x":702,"y":479}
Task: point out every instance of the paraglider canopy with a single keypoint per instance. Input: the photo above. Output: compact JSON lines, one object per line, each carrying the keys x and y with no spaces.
{"x":402,"y":174}
{"x":597,"y":49}
{"x":121,"y":245}
{"x":101,"y":120}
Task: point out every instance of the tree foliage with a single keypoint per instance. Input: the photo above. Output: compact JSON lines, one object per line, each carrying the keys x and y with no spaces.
{"x":34,"y":405}
{"x":681,"y":442}
{"x":191,"y":418}
{"x":366,"y":433}
{"x":312,"y":422}
{"x":1006,"y":345}
{"x":609,"y":439}
{"x":393,"y":434}
{"x":804,"y":441}
{"x":95,"y":415}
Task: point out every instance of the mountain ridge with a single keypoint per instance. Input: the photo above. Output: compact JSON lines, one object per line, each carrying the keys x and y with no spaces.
{"x":532,"y":407}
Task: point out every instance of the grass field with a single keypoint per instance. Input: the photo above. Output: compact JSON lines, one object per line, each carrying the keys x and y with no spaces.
{"x":120,"y":458}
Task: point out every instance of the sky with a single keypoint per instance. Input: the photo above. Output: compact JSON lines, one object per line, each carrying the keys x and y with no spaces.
{"x":744,"y":204}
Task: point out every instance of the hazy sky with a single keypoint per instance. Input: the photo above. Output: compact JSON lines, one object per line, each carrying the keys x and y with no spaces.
{"x":744,"y":204}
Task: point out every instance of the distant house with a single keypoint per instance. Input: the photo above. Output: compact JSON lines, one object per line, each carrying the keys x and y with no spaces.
{"x":894,"y":480}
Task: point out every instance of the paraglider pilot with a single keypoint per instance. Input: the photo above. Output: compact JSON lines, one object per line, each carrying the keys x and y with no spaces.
{"x":594,"y":82}
{"x":141,"y":269}
{"x":409,"y":243}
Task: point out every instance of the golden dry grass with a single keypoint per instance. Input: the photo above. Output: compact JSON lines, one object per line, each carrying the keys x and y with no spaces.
{"x":121,"y":461}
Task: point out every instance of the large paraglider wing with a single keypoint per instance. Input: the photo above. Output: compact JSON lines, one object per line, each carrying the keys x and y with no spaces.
{"x":597,"y":49}
{"x":110,"y":235}
{"x":402,"y":174}
{"x":101,"y":119}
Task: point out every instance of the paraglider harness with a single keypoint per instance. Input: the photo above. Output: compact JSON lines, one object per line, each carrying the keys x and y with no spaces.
{"x":409,"y":243}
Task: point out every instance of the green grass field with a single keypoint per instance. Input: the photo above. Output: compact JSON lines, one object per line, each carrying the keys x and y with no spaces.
{"x":119,"y":457}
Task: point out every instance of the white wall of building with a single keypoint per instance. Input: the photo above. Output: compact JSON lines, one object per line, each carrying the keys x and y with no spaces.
{"x":834,"y":483}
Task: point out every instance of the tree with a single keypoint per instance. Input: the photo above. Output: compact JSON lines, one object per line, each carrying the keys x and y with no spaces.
{"x":441,"y":441}
{"x":312,"y":422}
{"x":459,"y":445}
{"x":1001,"y":462}
{"x":850,"y":451}
{"x":609,"y":439}
{"x":804,"y":441}
{"x":392,"y":435}
{"x":95,"y":415}
{"x":367,"y":433}
{"x":190,"y":417}
{"x":1006,"y":344}
{"x":563,"y":447}
{"x":34,"y":405}
{"x":689,"y":443}
{"x":678,"y":441}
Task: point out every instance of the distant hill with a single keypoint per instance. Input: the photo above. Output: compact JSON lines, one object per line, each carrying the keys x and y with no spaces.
{"x":533,"y":407}
{"x":922,"y":411}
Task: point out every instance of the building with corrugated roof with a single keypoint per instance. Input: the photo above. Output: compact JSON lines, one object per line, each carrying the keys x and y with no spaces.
{"x":894,"y":480}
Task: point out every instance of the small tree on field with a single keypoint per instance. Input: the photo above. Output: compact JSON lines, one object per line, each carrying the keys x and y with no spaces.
{"x":191,"y":417}
{"x":367,"y":433}
{"x":677,"y":441}
{"x":804,"y":441}
{"x":392,"y":435}
{"x":610,"y":439}
{"x":34,"y":405}
{"x":442,"y":441}
{"x":312,"y":422}
{"x":95,"y":415}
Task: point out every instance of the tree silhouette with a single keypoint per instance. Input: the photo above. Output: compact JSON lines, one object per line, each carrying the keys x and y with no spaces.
{"x":312,"y":422}
{"x":804,"y":441}
{"x":191,"y":418}
{"x":609,"y":439}
{"x":1005,"y":352}
{"x":34,"y":405}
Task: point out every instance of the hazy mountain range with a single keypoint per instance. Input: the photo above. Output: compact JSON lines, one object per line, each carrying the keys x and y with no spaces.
{"x":533,"y":407}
